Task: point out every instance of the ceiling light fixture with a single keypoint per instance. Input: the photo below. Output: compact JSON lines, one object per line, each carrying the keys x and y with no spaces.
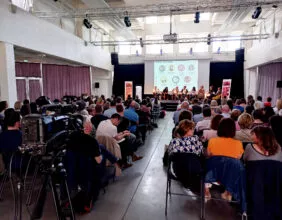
{"x":256,"y":13}
{"x":87,"y":24}
{"x":127,"y":20}
{"x":197,"y":17}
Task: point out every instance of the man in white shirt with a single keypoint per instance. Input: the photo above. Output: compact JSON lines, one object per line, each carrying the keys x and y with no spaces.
{"x":109,"y":128}
{"x":206,"y":122}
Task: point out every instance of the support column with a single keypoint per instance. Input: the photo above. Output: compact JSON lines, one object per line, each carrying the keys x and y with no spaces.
{"x":8,"y":87}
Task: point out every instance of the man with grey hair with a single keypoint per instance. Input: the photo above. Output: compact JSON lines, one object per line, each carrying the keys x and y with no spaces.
{"x":132,"y":116}
{"x":184,"y":106}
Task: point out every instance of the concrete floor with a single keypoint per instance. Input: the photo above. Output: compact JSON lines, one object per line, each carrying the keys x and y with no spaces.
{"x":140,"y":192}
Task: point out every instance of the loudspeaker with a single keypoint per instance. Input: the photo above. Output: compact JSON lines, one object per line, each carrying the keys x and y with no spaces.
{"x":240,"y":55}
{"x":279,"y":84}
{"x":97,"y":85}
{"x":114,"y":58}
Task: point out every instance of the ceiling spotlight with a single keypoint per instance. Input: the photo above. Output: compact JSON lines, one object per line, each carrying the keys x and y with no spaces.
{"x":87,"y":23}
{"x":209,"y":39}
{"x":274,"y":6}
{"x":127,"y":21}
{"x":141,"y":42}
{"x":256,"y":13}
{"x":197,"y":17}
{"x":191,"y":51}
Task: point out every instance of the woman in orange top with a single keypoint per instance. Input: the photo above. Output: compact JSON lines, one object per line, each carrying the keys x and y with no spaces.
{"x":225,"y":145}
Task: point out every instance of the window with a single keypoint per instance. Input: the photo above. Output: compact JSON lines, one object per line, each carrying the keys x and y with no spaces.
{"x":152,"y":20}
{"x":226,"y":45}
{"x":197,"y":47}
{"x":24,"y":4}
{"x":124,"y":49}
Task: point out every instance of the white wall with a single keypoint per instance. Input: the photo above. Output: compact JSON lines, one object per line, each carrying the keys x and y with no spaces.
{"x":266,"y":51}
{"x":105,"y":79}
{"x":27,"y":31}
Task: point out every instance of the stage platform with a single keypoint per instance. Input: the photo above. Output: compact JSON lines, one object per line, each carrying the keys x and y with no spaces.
{"x":169,"y":105}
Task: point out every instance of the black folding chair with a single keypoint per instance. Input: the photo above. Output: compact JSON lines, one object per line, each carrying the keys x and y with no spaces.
{"x":191,"y":160}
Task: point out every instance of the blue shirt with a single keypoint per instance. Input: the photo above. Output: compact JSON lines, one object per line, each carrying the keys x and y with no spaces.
{"x":132,"y":116}
{"x":109,"y":112}
{"x":240,"y":108}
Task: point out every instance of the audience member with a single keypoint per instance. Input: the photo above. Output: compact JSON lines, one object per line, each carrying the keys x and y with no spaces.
{"x":268,"y":102}
{"x":278,"y":106}
{"x":225,"y":111}
{"x":264,"y":146}
{"x":235,"y":115}
{"x":225,"y":144}
{"x":245,"y":122}
{"x":238,"y":105}
{"x":25,"y":109}
{"x":11,"y":138}
{"x":33,"y":108}
{"x":249,"y":109}
{"x":250,"y":100}
{"x":112,"y":110}
{"x":230,"y":104}
{"x":276,"y":126}
{"x":268,"y":113}
{"x":259,"y":104}
{"x":258,"y":117}
{"x":184,"y":106}
{"x":208,"y":134}
{"x":132,"y":116}
{"x":3,"y":107}
{"x":98,"y":116}
{"x":18,"y":106}
{"x":186,"y":142}
{"x":206,"y":122}
{"x":183,"y":115}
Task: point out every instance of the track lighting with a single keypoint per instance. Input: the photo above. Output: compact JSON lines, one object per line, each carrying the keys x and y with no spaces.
{"x":197,"y":17}
{"x":256,"y":13}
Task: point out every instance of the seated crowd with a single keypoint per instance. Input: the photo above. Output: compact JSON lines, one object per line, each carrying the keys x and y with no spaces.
{"x":110,"y":133}
{"x":238,"y":129}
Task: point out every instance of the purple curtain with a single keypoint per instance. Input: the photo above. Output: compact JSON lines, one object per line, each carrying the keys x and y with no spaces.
{"x":34,"y":90}
{"x":60,"y":80}
{"x":267,"y":80}
{"x":21,"y":89}
{"x":28,"y":70}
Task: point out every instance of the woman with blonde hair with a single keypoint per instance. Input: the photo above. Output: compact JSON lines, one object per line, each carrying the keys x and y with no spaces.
{"x":18,"y":106}
{"x":278,"y":106}
{"x":245,"y":122}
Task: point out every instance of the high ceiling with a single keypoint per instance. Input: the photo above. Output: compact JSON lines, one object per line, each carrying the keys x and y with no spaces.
{"x":217,"y":16}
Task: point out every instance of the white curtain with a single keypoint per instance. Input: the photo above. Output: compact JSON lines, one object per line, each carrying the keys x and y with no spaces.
{"x":268,"y":76}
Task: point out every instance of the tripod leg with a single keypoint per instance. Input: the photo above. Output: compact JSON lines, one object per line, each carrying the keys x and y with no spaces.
{"x":56,"y":199}
{"x":31,"y":190}
{"x":68,"y":195}
{"x":3,"y":183}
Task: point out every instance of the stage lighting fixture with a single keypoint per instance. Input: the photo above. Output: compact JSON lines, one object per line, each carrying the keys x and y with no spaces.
{"x":209,"y":39}
{"x":218,"y":50}
{"x":141,"y":42}
{"x":197,"y":17}
{"x":87,"y":23}
{"x":274,"y":6}
{"x":127,"y":21}
{"x":256,"y":13}
{"x":191,"y":51}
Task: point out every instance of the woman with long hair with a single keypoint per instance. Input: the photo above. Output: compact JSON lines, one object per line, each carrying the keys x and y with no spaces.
{"x":264,"y":146}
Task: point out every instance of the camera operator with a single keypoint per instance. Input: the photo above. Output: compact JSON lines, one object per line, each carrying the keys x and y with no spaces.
{"x":11,"y":137}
